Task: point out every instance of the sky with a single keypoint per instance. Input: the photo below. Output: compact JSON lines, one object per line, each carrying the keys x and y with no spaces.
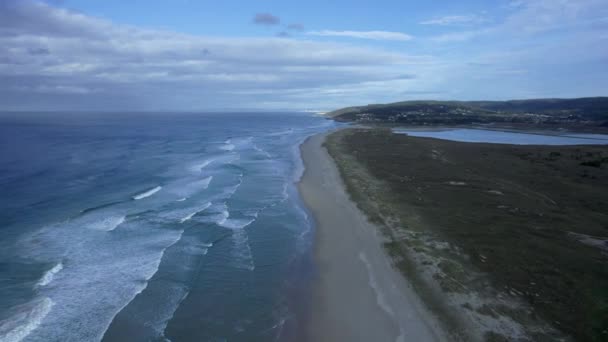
{"x":189,"y":55}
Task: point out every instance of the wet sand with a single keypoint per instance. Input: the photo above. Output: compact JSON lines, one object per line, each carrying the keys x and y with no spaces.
{"x":357,"y":293}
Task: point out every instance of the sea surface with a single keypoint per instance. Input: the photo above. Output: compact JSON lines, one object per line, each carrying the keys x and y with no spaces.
{"x":503,"y":137}
{"x":139,"y":227}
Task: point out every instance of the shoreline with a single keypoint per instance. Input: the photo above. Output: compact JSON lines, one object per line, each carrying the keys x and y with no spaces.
{"x":357,"y":293}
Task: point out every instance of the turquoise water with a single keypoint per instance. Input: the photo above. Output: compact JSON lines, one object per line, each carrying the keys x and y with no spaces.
{"x":138,"y":227}
{"x":502,"y":137}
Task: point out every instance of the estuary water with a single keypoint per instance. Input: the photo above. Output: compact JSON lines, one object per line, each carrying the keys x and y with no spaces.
{"x":504,"y":137}
{"x":140,"y":227}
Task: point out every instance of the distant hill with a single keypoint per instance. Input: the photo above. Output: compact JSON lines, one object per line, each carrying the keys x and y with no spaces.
{"x":588,"y":111}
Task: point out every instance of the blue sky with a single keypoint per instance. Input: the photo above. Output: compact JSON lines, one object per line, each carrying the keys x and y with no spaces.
{"x":275,"y":55}
{"x":233,"y":18}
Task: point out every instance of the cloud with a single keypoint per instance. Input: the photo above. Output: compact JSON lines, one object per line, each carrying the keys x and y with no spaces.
{"x":470,"y":19}
{"x":460,"y":36}
{"x":520,"y":54}
{"x":39,"y":51}
{"x":266,"y":19}
{"x":53,"y":58}
{"x":526,"y":19}
{"x":31,"y":17}
{"x":54,"y":89}
{"x":373,"y":35}
{"x":539,"y":16}
{"x":295,"y":27}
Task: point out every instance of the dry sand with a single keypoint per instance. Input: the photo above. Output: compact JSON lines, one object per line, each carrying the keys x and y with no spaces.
{"x":357,"y":294}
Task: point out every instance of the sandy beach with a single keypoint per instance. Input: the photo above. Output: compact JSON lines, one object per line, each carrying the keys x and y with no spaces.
{"x":357,"y":294}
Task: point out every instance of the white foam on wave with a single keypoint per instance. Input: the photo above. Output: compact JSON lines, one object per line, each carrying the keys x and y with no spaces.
{"x":191,"y":215}
{"x":254,"y":213}
{"x":196,"y":250}
{"x":303,"y":239}
{"x":167,"y":317}
{"x":227,"y":158}
{"x":28,"y":318}
{"x":147,"y":193}
{"x":279,"y":133}
{"x":48,"y":276}
{"x":188,"y":187}
{"x":105,"y":274}
{"x":201,"y":166}
{"x":241,"y":251}
{"x":228,"y":145}
{"x":299,"y":168}
{"x":203,"y":183}
{"x":223,"y":217}
{"x":242,"y":256}
{"x":231,"y":190}
{"x":231,"y":144}
{"x":108,"y":224}
{"x":285,"y":192}
{"x":236,"y":224}
{"x":142,"y":287}
{"x":174,"y":293}
{"x":262,"y":151}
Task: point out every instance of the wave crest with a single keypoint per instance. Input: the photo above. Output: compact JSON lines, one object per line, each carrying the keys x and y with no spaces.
{"x":48,"y":276}
{"x":236,"y":223}
{"x":191,"y":215}
{"x":147,"y":193}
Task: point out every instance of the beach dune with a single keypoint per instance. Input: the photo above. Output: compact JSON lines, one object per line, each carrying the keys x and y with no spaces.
{"x":357,"y":294}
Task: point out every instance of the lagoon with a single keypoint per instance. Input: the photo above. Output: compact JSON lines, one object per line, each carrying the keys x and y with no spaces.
{"x":504,"y":137}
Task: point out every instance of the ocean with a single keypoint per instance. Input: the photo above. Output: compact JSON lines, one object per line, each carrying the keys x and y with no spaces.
{"x":152,"y":226}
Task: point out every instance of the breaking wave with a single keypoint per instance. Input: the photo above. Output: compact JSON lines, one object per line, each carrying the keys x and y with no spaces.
{"x":90,"y":276}
{"x":201,"y":166}
{"x":191,"y":215}
{"x":25,"y":321}
{"x":147,"y":193}
{"x":108,"y":223}
{"x":142,"y":286}
{"x":228,"y":145}
{"x":223,"y":217}
{"x":203,"y":183}
{"x":262,"y":151}
{"x":236,"y":223}
{"x":48,"y":276}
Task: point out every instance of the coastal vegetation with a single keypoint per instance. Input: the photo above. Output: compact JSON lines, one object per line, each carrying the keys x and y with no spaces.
{"x":503,"y":242}
{"x":582,"y":113}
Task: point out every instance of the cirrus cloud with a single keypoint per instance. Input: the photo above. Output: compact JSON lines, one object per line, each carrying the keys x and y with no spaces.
{"x":373,"y":35}
{"x":456,"y":20}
